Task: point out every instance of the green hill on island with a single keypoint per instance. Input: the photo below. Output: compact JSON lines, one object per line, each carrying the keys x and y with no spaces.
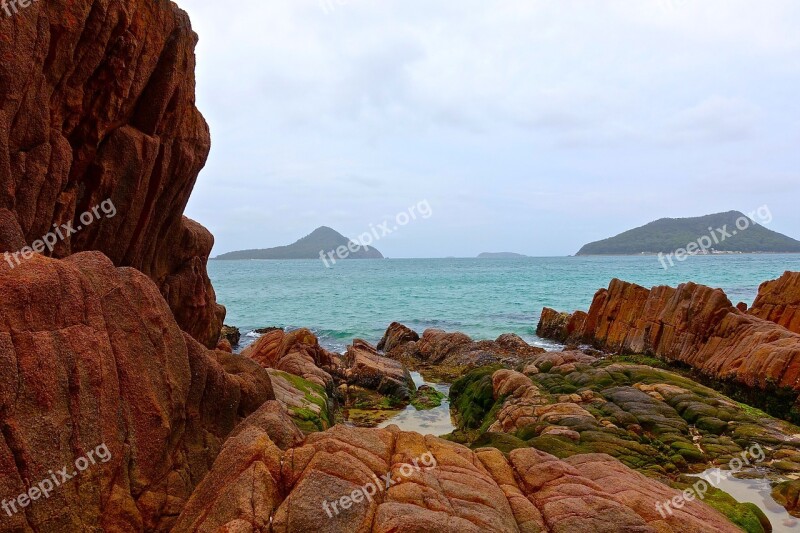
{"x":324,"y":239}
{"x":720,"y":230}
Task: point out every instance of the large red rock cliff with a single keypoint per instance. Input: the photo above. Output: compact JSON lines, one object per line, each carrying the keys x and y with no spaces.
{"x":97,"y":103}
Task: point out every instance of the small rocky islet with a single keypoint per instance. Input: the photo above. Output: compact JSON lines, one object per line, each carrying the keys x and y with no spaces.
{"x":115,"y":338}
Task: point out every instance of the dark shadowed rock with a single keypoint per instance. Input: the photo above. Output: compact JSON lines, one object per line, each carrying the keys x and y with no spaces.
{"x":231,"y":334}
{"x":448,"y":355}
{"x":397,"y":335}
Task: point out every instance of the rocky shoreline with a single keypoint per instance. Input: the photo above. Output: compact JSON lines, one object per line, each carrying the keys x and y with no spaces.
{"x":750,"y":353}
{"x":114,"y":340}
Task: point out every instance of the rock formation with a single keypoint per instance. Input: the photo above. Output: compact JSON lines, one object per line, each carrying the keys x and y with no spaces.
{"x":396,"y":335}
{"x":92,"y":355}
{"x":336,"y":481}
{"x":297,"y":353}
{"x":309,"y":380}
{"x":651,"y":419}
{"x":231,"y":334}
{"x":97,"y":105}
{"x":367,"y":369}
{"x":693,"y":325}
{"x":779,"y":301}
{"x":448,"y":355}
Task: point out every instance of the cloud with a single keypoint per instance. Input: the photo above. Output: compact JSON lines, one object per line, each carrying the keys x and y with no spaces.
{"x":530,"y":107}
{"x":716,"y":119}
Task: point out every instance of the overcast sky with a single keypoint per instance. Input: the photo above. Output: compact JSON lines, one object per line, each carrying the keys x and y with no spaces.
{"x":532,"y":126}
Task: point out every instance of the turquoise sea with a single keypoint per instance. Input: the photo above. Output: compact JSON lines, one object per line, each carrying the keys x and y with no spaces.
{"x":480,"y":297}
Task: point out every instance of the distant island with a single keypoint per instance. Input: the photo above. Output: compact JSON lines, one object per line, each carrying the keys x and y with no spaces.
{"x":323,"y":239}
{"x":500,"y":255}
{"x":718,"y":233}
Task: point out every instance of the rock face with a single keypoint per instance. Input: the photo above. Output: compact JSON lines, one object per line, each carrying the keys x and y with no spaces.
{"x":397,"y":335}
{"x":653,"y":420}
{"x":694,"y":325}
{"x":97,"y":109}
{"x":560,"y":327}
{"x":336,"y":481}
{"x":231,"y":334}
{"x":93,"y":356}
{"x":367,"y":369}
{"x":779,"y":301}
{"x":297,"y":352}
{"x":448,"y":355}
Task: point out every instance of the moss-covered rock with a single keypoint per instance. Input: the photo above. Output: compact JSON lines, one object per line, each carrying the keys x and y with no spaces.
{"x":368,"y":408}
{"x":787,"y":494}
{"x":654,"y":420}
{"x":472,"y":398}
{"x":306,"y":402}
{"x":745,"y":515}
{"x":426,"y":398}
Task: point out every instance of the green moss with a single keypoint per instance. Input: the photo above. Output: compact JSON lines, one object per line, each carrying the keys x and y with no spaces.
{"x":427,"y":398}
{"x":472,"y":397}
{"x":502,"y":441}
{"x":711,"y":424}
{"x":752,"y":411}
{"x":638,"y":359}
{"x":745,"y":515}
{"x":787,"y":494}
{"x":305,"y":418}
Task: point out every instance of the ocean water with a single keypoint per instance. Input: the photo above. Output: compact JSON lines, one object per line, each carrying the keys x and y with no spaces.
{"x":480,"y":297}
